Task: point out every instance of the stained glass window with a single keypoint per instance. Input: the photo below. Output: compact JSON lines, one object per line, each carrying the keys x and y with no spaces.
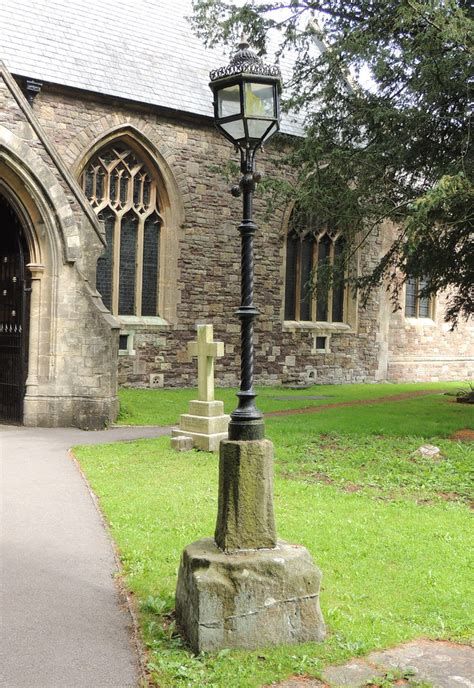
{"x":123,"y":191}
{"x":338,"y":284}
{"x":292,"y":246}
{"x":315,"y":273}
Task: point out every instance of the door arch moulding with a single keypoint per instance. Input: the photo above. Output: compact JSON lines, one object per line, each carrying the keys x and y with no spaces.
{"x":39,"y":228}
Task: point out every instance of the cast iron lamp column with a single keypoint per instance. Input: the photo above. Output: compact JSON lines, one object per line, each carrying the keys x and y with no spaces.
{"x":244,"y":588}
{"x":246,"y":106}
{"x":247,"y":421}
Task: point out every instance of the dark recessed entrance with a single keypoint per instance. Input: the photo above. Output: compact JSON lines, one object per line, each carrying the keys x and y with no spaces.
{"x":14,"y":312}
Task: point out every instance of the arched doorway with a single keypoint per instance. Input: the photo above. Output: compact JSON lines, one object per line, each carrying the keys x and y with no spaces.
{"x":14,"y":314}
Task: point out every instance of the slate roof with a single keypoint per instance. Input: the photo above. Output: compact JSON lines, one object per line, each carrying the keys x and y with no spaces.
{"x":141,"y":50}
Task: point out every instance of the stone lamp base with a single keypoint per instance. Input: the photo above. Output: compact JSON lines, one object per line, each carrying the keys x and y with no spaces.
{"x":248,"y":599}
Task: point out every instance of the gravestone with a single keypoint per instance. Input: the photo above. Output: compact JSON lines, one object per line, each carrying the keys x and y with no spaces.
{"x":206,"y":423}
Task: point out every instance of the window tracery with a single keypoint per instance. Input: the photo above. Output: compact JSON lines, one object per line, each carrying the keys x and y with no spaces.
{"x":123,"y":192}
{"x":314,"y":279}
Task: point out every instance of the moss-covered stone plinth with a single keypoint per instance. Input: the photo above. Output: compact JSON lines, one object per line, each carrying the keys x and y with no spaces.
{"x":248,"y":599}
{"x":245,"y":512}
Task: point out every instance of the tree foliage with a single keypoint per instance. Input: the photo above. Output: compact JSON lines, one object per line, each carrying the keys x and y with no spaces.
{"x":386,"y":111}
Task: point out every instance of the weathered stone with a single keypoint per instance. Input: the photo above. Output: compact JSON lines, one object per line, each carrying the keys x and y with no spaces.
{"x":248,"y":599}
{"x":206,"y":408}
{"x":182,"y":443}
{"x":354,"y":674}
{"x":429,"y":450}
{"x":206,"y":351}
{"x":203,"y":424}
{"x":245,"y":517}
{"x":207,"y":428}
{"x":300,"y":682}
{"x":443,"y":664}
{"x":440,"y":663}
{"x":204,"y":442}
{"x":206,"y":422}
{"x":72,"y":339}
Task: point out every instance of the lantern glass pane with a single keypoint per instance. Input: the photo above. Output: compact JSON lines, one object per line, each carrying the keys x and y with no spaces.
{"x":259,"y":100}
{"x":235,"y":129}
{"x":228,"y":100}
{"x":273,"y":129}
{"x":257,"y":128}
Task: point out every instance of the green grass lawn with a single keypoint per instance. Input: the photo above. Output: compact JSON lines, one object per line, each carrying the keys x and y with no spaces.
{"x":390,"y":529}
{"x":164,"y":406}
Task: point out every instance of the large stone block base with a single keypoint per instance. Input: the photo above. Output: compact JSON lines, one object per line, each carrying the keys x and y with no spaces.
{"x":249,"y":599}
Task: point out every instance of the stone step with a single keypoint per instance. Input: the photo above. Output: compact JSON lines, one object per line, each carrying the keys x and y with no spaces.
{"x":182,"y":443}
{"x":207,"y":409}
{"x":203,"y":425}
{"x":204,"y":441}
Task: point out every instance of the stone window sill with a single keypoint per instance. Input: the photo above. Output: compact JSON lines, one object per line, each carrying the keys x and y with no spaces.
{"x":142,"y":322}
{"x":323,"y":328}
{"x":420,"y":322}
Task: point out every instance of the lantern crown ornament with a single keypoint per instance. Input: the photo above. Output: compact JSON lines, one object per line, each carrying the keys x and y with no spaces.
{"x":246,"y":98}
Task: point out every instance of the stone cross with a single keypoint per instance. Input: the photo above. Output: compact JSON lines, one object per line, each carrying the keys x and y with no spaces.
{"x":206,"y":351}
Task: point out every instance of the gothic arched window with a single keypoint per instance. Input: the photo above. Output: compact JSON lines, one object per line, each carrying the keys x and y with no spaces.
{"x":123,"y":191}
{"x":314,"y":281}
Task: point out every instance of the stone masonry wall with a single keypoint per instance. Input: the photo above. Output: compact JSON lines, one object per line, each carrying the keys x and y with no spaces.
{"x":208,"y":264}
{"x":426,"y":349}
{"x":72,"y":341}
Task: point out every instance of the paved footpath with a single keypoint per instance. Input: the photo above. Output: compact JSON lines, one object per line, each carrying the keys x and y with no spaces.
{"x":437,"y":664}
{"x":61,"y":621}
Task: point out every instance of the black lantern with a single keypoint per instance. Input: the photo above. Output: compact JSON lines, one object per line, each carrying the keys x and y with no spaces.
{"x":246,"y":111}
{"x":246,"y":98}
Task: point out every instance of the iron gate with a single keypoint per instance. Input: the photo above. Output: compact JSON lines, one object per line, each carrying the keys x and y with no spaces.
{"x":13,"y":316}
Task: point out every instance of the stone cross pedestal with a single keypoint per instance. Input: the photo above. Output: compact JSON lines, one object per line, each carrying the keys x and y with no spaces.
{"x":206,"y":422}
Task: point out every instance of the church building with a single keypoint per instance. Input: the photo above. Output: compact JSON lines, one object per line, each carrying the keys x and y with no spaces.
{"x":118,"y":233}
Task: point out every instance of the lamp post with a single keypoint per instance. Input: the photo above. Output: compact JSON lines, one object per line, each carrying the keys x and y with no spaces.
{"x":244,"y":588}
{"x":247,"y":113}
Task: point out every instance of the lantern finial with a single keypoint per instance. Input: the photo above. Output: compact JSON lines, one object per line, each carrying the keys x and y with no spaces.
{"x":245,"y":59}
{"x":246,"y":98}
{"x":244,"y":54}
